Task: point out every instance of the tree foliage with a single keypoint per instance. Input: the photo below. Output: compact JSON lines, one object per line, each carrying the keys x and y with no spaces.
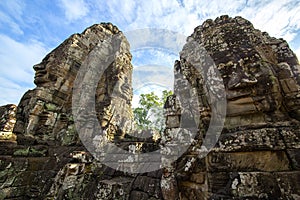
{"x":149,"y":114}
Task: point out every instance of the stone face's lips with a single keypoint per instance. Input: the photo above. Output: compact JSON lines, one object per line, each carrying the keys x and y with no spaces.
{"x":40,"y":73}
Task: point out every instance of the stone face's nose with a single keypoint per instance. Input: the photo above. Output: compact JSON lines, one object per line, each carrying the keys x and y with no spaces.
{"x":240,"y":80}
{"x":38,"y":67}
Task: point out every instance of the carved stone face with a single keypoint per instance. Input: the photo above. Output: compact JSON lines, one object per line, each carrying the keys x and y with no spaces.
{"x":250,"y":87}
{"x":126,"y":88}
{"x":123,"y":87}
{"x":254,"y":87}
{"x":41,"y":74}
{"x":48,"y":71}
{"x":290,"y":88}
{"x":54,"y":72}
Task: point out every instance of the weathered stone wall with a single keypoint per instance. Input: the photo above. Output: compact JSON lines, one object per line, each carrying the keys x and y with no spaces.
{"x":7,"y":117}
{"x":257,"y":155}
{"x":7,"y":122}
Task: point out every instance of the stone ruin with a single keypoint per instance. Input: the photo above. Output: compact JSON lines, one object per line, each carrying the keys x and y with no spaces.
{"x":45,"y":113}
{"x":7,"y":122}
{"x":257,"y":154}
{"x":255,"y":157}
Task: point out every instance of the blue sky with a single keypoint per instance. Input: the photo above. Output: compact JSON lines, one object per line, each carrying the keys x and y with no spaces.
{"x":29,"y":29}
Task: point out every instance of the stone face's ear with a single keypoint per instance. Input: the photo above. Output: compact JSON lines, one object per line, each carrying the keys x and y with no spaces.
{"x":290,"y":89}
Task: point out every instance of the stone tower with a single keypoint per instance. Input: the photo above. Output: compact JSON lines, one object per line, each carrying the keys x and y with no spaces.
{"x":45,"y":113}
{"x":257,"y":154}
{"x":48,"y":152}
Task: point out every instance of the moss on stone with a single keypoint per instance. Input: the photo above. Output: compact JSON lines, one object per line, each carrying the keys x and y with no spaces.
{"x":30,"y":151}
{"x":36,"y":152}
{"x":70,"y":137}
{"x":51,"y":107}
{"x":22,"y":152}
{"x":71,"y":118}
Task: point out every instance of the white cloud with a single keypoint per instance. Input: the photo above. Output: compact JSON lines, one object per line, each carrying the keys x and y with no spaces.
{"x":14,"y":7}
{"x":149,"y":75}
{"x":166,"y":14}
{"x":10,"y":92}
{"x":6,"y":20}
{"x":17,"y":74}
{"x":278,"y":18}
{"x":74,"y":9}
{"x":122,"y":12}
{"x":154,"y":56}
{"x":12,"y":15}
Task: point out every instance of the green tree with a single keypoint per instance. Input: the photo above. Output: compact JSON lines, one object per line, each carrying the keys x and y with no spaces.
{"x":149,"y":114}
